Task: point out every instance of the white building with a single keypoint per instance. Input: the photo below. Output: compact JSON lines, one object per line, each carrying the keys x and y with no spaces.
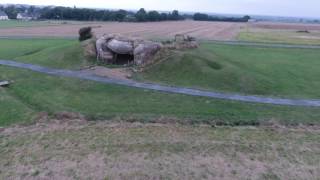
{"x":25,"y":16}
{"x":3,"y":16}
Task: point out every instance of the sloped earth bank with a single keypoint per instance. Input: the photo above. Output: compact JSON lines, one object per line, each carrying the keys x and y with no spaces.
{"x":169,"y":89}
{"x":69,"y":147}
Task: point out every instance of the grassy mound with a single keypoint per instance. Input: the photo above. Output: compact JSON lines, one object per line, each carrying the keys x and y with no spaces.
{"x":56,"y":53}
{"x":248,"y":70}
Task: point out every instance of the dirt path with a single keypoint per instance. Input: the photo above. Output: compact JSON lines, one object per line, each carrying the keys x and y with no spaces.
{"x":156,"y":87}
{"x":115,"y":73}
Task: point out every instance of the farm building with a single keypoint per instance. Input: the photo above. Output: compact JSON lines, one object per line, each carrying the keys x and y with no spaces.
{"x":3,"y":16}
{"x":27,"y":16}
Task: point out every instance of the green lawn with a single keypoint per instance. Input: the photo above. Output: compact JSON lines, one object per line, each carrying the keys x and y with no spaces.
{"x":280,"y":36}
{"x":17,"y":23}
{"x":131,"y":151}
{"x":34,"y":92}
{"x":56,"y":53}
{"x":283,"y":72}
{"x":248,"y":70}
{"x":292,"y":73}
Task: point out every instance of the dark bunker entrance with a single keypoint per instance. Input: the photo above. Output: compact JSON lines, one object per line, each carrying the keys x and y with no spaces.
{"x":123,"y":59}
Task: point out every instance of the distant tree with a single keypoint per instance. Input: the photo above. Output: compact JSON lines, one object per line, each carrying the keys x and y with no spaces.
{"x":164,"y":16}
{"x":154,"y":16}
{"x":141,"y":15}
{"x":206,"y":17}
{"x":106,"y":16}
{"x":31,"y":9}
{"x":201,"y":17}
{"x":175,"y":15}
{"x":246,"y":18}
{"x":83,"y":14}
{"x":11,"y":11}
{"x":120,"y":15}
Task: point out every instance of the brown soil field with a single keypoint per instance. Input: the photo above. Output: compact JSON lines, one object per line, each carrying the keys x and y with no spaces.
{"x":201,"y":30}
{"x":156,"y":30}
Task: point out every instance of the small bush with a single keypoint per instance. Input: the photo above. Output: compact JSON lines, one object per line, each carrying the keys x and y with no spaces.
{"x":85,"y":33}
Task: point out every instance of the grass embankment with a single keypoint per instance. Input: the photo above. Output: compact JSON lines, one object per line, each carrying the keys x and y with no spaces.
{"x":37,"y":92}
{"x":131,"y":151}
{"x":34,"y":92}
{"x":292,"y":73}
{"x":56,"y":53}
{"x":280,"y":36}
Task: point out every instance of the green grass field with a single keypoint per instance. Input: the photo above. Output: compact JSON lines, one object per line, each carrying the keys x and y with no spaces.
{"x":34,"y":92}
{"x":248,"y":70}
{"x":105,"y":144}
{"x":17,"y":23}
{"x":278,"y":72}
{"x":137,"y":151}
{"x":56,"y":53}
{"x":279,"y":36}
{"x":245,"y":70}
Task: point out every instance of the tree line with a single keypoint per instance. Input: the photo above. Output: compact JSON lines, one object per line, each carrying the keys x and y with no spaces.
{"x":206,"y":17}
{"x":85,"y":14}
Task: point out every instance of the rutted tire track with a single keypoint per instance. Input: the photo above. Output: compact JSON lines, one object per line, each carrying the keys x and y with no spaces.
{"x":156,"y":87}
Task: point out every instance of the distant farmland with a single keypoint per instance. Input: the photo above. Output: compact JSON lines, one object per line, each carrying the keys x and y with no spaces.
{"x":201,"y":30}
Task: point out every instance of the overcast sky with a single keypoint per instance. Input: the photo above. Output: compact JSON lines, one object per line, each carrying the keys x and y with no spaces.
{"x":296,"y":8}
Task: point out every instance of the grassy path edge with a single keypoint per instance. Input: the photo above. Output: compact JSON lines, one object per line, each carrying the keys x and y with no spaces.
{"x":168,"y":89}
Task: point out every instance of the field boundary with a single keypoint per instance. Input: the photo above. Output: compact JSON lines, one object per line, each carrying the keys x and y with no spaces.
{"x":224,"y":42}
{"x":266,"y":45}
{"x":162,"y":88}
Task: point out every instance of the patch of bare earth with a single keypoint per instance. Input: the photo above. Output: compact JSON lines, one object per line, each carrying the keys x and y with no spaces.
{"x":70,"y":147}
{"x":113,"y":73}
{"x":201,"y":30}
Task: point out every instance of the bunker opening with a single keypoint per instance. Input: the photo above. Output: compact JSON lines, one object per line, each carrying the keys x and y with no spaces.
{"x":123,"y":59}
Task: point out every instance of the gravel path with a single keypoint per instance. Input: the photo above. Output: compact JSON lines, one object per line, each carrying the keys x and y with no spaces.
{"x":156,"y":87}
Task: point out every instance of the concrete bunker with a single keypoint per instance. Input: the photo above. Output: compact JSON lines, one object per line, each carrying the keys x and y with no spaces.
{"x":120,"y":50}
{"x":123,"y":59}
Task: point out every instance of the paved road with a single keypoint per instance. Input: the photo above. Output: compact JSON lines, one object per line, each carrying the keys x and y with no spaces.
{"x":156,"y":87}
